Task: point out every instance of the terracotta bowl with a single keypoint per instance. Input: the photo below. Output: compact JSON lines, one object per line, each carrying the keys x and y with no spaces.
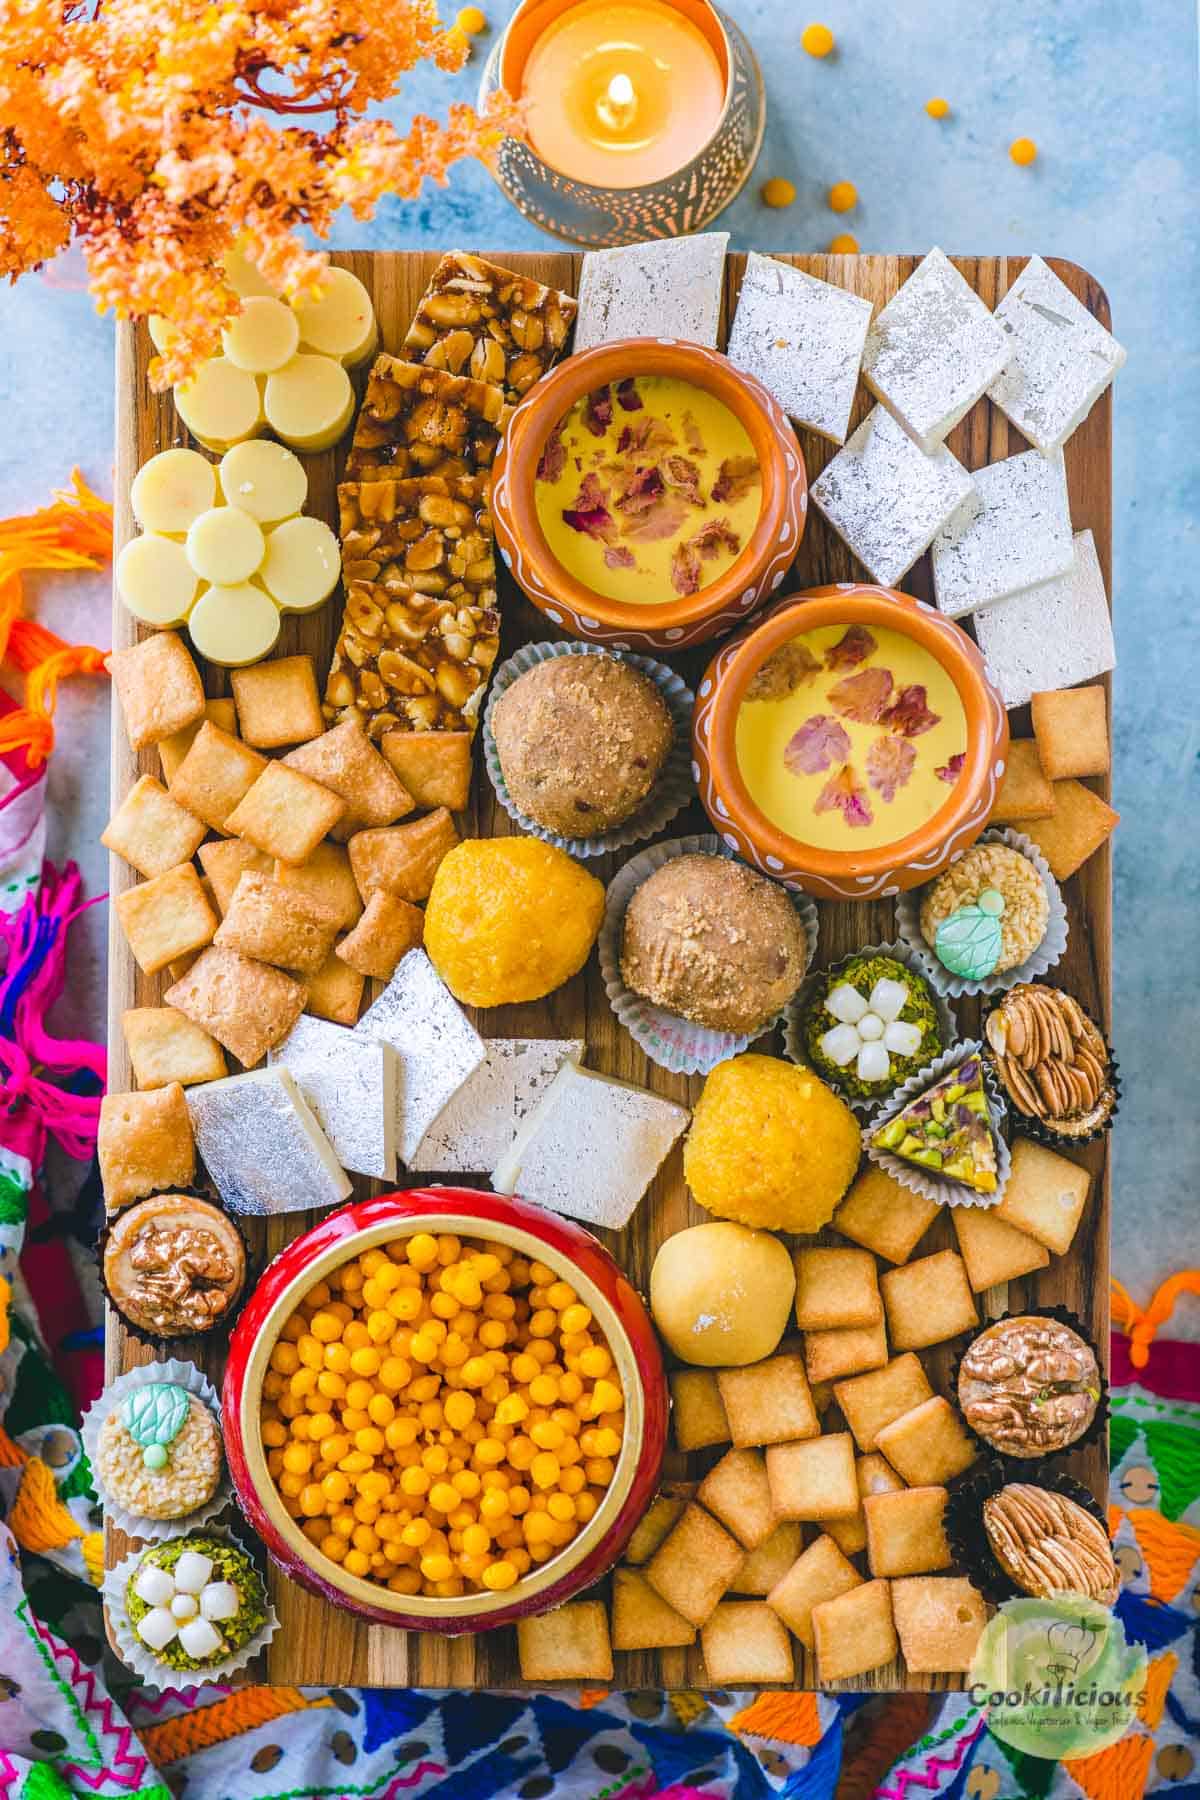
{"x":889,"y":868}
{"x":618,"y":1312}
{"x":758,"y":571}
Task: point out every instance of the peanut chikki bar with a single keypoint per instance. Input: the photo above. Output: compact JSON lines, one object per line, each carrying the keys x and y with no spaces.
{"x":421,"y":627}
{"x":419,"y":421}
{"x":480,"y":320}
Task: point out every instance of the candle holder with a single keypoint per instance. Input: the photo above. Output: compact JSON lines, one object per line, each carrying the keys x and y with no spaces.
{"x":687,"y":200}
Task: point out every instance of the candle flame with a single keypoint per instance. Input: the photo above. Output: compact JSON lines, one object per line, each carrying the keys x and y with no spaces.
{"x":621,"y":91}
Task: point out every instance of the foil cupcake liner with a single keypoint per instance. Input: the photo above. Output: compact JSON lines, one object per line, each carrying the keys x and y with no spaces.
{"x":671,"y":792}
{"x":1049,"y":952}
{"x":136,"y":1656}
{"x":967,"y":1534}
{"x":1099,"y":1423}
{"x":1043,"y":1133}
{"x":674,"y":1043}
{"x":159,"y":1340}
{"x":922,"y":1181}
{"x":136,"y":1525}
{"x":793,"y":1042}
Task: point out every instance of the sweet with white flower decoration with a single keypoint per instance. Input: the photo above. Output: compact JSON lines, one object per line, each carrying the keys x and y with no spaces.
{"x":870,"y":1031}
{"x":185,"y":1602}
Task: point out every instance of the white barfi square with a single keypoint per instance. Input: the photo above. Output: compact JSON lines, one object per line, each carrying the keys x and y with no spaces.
{"x":803,"y":339}
{"x":886,"y":499}
{"x":591,"y":1147}
{"x":934,"y":350}
{"x":1054,"y":636}
{"x":1062,"y":359}
{"x":437,"y":1046}
{"x":670,"y":287}
{"x":262,"y":1145}
{"x":350,"y":1083}
{"x":476,"y":1128}
{"x":1017,"y":536}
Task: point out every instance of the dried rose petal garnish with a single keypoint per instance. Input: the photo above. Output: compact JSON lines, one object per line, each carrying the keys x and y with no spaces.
{"x":909,"y":713}
{"x":735,"y":477}
{"x":693,"y":437}
{"x":553,"y":459}
{"x":862,"y":697}
{"x":650,"y":433}
{"x":787,"y":669}
{"x":684,"y":474}
{"x":686,"y":569}
{"x":854,"y":646}
{"x":590,"y":512}
{"x":949,"y":772}
{"x":890,"y":762}
{"x":843,"y":794}
{"x":618,"y":557}
{"x":662,"y":520}
{"x":598,"y":411}
{"x":628,"y":398}
{"x":714,"y":536}
{"x":640,"y":491}
{"x":817,"y":745}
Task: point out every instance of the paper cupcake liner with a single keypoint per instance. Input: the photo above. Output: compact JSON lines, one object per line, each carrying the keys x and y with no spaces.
{"x":1048,"y":953}
{"x":135,"y":1525}
{"x":965,"y":1528}
{"x":923,"y":1181}
{"x":135,"y":1655}
{"x":158,"y":1340}
{"x":793,"y":1042}
{"x":674,"y":1043}
{"x":1029,"y":1126}
{"x":1095,"y":1430}
{"x":671,"y":792}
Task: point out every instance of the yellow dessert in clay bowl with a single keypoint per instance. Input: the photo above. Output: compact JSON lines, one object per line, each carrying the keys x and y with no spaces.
{"x":851,"y":737}
{"x":648,"y":490}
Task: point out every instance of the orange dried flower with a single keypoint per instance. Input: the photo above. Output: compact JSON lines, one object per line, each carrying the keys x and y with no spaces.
{"x":160,"y":134}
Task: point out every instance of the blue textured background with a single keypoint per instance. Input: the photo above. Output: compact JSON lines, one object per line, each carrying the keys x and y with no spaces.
{"x":1109,"y":93}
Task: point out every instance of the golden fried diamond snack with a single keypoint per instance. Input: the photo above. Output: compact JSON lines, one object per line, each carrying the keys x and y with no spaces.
{"x":480,"y":320}
{"x":421,"y":627}
{"x":419,"y":421}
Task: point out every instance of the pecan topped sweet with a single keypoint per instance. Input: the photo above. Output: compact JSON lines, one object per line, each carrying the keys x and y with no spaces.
{"x":1029,"y":1386}
{"x":1048,"y":1544}
{"x":1052,"y":1059}
{"x":477,"y":319}
{"x":173,"y":1265}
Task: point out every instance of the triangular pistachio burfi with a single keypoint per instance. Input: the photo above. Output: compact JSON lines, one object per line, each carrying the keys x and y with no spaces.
{"x":947,"y":1129}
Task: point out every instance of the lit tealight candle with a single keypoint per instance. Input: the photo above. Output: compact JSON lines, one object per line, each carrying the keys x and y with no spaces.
{"x":622,"y":94}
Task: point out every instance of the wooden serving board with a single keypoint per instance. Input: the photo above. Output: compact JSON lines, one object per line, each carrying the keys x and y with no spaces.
{"x":318,"y":1643}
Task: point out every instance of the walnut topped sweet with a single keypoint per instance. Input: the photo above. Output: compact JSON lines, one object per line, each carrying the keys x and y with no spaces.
{"x":174,"y":1265}
{"x":1053,"y":1060}
{"x":1029,"y":1385}
{"x":710,"y":940}
{"x":581,"y":742}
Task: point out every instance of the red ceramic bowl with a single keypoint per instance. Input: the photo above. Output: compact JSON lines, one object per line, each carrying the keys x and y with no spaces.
{"x":618,"y":1312}
{"x":758,"y":571}
{"x":886,"y":869}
